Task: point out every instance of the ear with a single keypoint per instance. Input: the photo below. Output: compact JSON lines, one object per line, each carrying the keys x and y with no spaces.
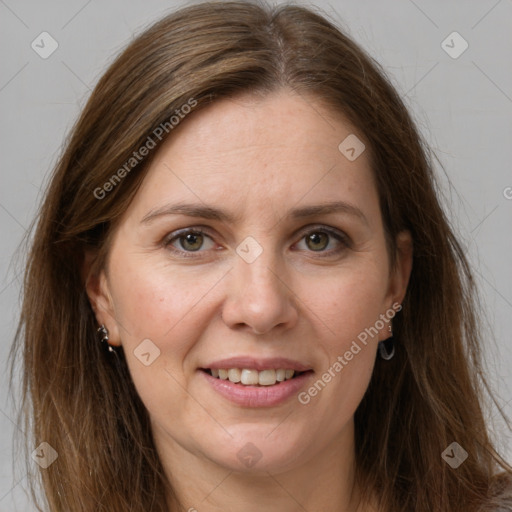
{"x":100,"y":298}
{"x":399,"y":278}
{"x":402,"y":271}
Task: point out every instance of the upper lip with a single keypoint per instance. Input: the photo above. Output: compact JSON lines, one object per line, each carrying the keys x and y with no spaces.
{"x":259,"y":364}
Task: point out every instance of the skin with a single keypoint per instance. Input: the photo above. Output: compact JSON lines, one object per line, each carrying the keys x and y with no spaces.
{"x":256,"y":157}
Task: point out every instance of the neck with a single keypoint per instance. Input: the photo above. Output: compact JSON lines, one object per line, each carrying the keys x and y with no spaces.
{"x":324,"y":481}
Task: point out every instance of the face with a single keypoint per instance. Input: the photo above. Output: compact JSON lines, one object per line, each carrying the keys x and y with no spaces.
{"x":249,"y":276}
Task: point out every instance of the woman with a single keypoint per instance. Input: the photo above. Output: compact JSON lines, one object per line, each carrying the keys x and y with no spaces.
{"x":243,"y":292}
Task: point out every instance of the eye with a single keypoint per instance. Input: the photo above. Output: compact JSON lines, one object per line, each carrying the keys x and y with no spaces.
{"x":317,"y":240}
{"x":189,"y":240}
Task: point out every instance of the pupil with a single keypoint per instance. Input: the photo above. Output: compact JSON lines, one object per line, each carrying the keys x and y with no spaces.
{"x":190,"y":239}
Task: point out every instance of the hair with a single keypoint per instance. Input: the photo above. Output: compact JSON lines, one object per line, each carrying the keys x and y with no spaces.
{"x":84,"y":403}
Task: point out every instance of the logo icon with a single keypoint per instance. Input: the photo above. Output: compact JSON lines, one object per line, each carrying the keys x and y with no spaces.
{"x":454,"y":45}
{"x":146,"y":352}
{"x":249,"y":455}
{"x":44,"y":455}
{"x":44,"y":45}
{"x":454,"y":455}
{"x":351,"y":147}
{"x":249,"y":249}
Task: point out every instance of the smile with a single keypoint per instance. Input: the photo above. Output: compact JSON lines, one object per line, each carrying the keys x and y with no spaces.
{"x":244,"y":391}
{"x":252,"y":377}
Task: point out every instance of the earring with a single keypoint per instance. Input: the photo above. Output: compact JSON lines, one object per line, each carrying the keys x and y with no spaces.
{"x":103,"y":336}
{"x":387,"y":347}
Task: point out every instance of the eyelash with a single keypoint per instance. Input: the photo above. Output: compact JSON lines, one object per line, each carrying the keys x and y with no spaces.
{"x":340,"y":237}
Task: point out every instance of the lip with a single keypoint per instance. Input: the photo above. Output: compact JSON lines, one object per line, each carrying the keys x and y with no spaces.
{"x":257,"y":396}
{"x":274,"y":363}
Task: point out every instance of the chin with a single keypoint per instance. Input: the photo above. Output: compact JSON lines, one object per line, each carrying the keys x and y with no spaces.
{"x":259,"y":450}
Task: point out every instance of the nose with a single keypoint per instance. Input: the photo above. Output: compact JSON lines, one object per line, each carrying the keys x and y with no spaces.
{"x":258,"y":299}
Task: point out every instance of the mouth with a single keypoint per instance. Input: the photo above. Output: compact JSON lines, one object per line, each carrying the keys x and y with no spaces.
{"x":251,"y":388}
{"x":253,"y":377}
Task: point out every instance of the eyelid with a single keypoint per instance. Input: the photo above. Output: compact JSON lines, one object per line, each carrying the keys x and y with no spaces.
{"x":313,"y":228}
{"x":175,"y":235}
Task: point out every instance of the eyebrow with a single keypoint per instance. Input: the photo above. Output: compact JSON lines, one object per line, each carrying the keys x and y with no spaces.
{"x":212,"y":213}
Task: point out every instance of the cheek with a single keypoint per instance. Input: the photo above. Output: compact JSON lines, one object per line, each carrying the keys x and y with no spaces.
{"x":153,"y":300}
{"x":349,"y":305}
{"x":351,"y":302}
{"x":169,"y":307}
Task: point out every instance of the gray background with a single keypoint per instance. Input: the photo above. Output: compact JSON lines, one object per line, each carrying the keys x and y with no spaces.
{"x":463,"y":106}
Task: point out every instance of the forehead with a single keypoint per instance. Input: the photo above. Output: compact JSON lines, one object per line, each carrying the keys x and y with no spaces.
{"x":253,"y":152}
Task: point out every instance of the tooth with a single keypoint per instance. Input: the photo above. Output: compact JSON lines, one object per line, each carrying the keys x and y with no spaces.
{"x":234,"y":374}
{"x":267,"y":377}
{"x":280,"y":375}
{"x":249,"y":377}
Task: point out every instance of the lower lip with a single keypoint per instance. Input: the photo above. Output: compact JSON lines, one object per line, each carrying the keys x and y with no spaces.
{"x":257,"y":396}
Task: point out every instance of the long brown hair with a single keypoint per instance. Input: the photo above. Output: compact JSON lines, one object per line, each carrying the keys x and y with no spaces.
{"x":84,"y":404}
